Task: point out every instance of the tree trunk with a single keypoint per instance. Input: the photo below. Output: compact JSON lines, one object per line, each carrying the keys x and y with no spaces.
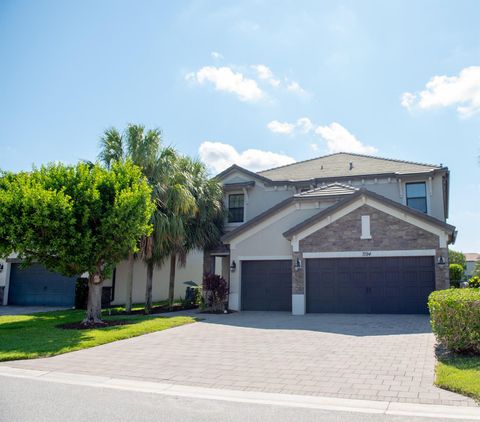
{"x":171,"y":285}
{"x":94,"y":304}
{"x":129,"y":285}
{"x":148,"y":290}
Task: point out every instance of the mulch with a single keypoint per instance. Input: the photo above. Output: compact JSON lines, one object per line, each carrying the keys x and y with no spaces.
{"x":159,"y":309}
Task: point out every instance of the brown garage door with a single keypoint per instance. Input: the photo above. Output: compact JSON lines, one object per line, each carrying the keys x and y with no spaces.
{"x":267,"y":285}
{"x":393,"y":285}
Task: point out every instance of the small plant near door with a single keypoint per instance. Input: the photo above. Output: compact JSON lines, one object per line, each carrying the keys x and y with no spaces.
{"x":215,"y":292}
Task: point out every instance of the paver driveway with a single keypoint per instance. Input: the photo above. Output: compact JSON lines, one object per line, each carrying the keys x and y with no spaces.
{"x":374,"y":357}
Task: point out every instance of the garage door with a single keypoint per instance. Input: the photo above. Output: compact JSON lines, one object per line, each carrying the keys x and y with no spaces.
{"x":267,"y":285}
{"x":35,"y":286}
{"x":394,"y":285}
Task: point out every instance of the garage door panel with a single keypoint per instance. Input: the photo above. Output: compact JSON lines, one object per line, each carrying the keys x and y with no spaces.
{"x":266,"y":285}
{"x":370,"y":285}
{"x":35,"y":286}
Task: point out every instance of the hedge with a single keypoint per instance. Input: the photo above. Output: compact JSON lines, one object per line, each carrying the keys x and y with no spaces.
{"x":455,"y":319}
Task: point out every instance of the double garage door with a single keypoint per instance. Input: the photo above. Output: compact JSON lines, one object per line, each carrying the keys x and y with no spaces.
{"x":35,"y":286}
{"x":390,"y":285}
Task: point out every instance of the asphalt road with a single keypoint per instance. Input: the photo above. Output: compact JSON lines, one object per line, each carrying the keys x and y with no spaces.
{"x":23,"y":400}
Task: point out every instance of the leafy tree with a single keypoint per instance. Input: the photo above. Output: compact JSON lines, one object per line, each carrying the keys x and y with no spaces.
{"x":476,"y":269}
{"x":456,"y":274}
{"x":142,"y":148}
{"x":75,"y":219}
{"x":455,"y":257}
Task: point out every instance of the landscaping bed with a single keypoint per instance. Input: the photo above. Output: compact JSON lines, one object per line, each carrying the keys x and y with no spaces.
{"x":156,"y":309}
{"x":39,"y":335}
{"x":455,"y":318}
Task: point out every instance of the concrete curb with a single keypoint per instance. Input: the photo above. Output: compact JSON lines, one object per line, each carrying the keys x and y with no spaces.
{"x":275,"y":399}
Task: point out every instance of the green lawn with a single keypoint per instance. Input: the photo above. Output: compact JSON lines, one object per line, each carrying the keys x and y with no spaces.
{"x":460,"y":374}
{"x":36,"y":335}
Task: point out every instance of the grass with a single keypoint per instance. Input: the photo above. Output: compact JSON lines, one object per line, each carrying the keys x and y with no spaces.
{"x":36,"y":335}
{"x":460,"y":374}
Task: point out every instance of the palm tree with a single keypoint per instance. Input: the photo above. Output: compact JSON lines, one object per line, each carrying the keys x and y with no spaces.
{"x":143,"y":150}
{"x":203,"y":227}
{"x":175,"y":204}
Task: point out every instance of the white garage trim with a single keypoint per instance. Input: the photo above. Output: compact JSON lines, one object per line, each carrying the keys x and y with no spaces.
{"x":370,"y":254}
{"x":264,"y":258}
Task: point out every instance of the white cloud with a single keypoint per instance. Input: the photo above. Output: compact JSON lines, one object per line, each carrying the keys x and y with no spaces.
{"x":339,"y":139}
{"x":264,"y":72}
{"x":295,"y":87}
{"x":462,"y":91}
{"x":225,"y":79}
{"x":216,"y":55}
{"x":219,"y":156}
{"x":284,"y":128}
{"x":314,"y":147}
{"x":305,"y":124}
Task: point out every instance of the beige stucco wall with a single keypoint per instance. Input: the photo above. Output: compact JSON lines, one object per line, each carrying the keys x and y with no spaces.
{"x":192,"y":271}
{"x":268,"y":243}
{"x":3,"y":274}
{"x":262,"y":198}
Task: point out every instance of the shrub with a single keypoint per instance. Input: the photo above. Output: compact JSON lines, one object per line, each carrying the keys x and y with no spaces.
{"x":455,"y":319}
{"x":215,"y":290}
{"x":456,"y":274}
{"x":474,"y":282}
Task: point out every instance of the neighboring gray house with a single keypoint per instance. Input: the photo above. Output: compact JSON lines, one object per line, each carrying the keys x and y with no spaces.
{"x":471,"y":260}
{"x":342,"y":233}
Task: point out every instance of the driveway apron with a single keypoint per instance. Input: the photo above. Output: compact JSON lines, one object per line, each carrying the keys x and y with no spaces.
{"x":372,"y":357}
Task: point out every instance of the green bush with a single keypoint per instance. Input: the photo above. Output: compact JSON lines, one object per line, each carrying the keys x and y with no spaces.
{"x":456,"y":274}
{"x":474,"y":282}
{"x":455,"y":319}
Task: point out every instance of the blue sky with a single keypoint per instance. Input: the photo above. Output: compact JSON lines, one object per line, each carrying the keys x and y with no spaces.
{"x":254,"y":82}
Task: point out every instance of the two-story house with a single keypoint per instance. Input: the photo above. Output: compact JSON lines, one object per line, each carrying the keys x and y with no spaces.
{"x":341,"y":233}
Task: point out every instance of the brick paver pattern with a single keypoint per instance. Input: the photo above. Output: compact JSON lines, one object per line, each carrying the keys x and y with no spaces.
{"x":373,"y":357}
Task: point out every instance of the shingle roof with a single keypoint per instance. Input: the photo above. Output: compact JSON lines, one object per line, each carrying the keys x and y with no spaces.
{"x":472,"y":256}
{"x":338,"y":165}
{"x":332,"y":189}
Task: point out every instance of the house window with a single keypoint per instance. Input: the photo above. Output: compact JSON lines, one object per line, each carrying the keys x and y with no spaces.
{"x":417,"y":196}
{"x":235,"y":208}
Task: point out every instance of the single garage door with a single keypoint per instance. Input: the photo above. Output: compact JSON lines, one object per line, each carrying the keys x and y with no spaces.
{"x":35,"y":286}
{"x":393,"y":285}
{"x":267,"y":285}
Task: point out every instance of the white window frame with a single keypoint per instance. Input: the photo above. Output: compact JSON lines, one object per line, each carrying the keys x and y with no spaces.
{"x":245,"y":200}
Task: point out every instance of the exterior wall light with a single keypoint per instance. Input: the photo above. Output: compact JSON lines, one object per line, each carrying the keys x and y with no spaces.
{"x":233,"y":267}
{"x":441,"y":260}
{"x":298,"y":264}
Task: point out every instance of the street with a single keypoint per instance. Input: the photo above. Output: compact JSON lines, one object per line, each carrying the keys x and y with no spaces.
{"x":26,"y":400}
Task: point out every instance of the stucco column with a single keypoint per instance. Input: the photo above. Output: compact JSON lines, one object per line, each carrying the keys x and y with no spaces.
{"x":298,"y":285}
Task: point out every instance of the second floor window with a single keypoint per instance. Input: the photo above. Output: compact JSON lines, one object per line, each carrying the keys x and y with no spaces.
{"x":235,"y":208}
{"x":417,"y":196}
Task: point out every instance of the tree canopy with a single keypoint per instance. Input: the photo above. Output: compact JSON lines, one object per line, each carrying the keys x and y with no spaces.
{"x":455,"y":257}
{"x":75,"y":219}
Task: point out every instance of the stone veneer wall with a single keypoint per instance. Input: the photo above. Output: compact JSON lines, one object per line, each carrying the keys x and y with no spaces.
{"x":388,"y":233}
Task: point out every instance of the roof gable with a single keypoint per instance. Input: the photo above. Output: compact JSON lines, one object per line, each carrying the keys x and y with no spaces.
{"x":332,"y":189}
{"x":344,"y":165}
{"x":310,"y":222}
